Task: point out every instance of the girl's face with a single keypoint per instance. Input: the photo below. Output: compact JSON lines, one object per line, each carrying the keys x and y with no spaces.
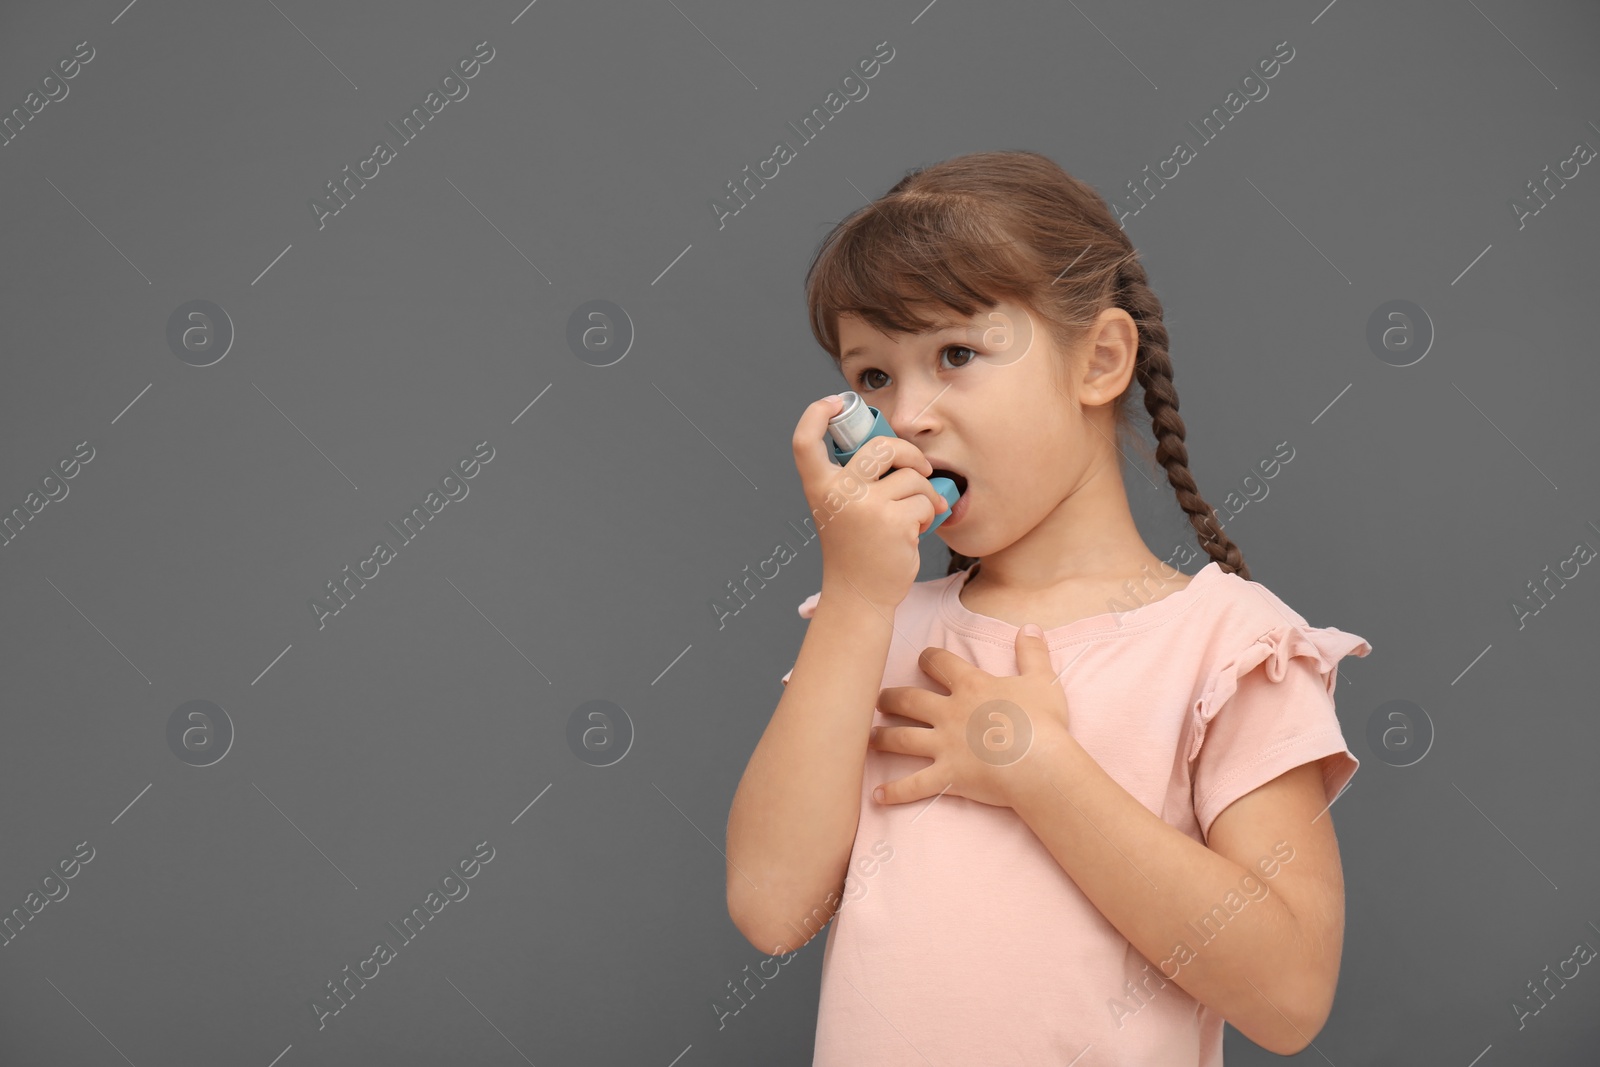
{"x":992,"y":397}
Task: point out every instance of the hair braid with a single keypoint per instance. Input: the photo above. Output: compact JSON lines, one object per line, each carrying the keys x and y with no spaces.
{"x":1154,"y":369}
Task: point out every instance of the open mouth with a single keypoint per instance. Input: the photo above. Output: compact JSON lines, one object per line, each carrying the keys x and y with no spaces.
{"x":959,"y":479}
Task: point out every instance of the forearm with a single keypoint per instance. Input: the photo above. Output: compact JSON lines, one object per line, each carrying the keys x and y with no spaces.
{"x":794,"y":815}
{"x":1159,"y":887}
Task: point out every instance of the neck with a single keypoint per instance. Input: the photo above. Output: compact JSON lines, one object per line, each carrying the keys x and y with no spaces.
{"x":1089,"y":535}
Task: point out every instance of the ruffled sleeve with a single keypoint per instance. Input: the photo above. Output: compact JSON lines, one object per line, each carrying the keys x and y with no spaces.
{"x":808,"y":608}
{"x":1249,"y":726}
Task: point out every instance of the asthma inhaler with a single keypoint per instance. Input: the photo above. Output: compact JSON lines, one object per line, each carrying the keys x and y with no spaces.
{"x":855,"y":425}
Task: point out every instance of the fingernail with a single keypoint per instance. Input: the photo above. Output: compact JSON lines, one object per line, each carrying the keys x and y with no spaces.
{"x":877,"y":794}
{"x":1032,"y":630}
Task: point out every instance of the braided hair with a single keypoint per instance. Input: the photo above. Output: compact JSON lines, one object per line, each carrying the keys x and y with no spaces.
{"x":968,"y":232}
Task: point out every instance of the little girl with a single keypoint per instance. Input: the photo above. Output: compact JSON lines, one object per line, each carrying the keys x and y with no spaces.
{"x":1089,"y":845}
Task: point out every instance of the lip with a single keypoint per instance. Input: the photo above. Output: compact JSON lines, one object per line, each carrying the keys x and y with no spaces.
{"x":959,"y":511}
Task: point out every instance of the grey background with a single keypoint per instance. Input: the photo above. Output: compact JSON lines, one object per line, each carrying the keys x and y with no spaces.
{"x":429,"y":714}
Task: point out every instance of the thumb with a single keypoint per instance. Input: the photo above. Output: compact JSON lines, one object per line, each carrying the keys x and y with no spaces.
{"x":1033,"y":652}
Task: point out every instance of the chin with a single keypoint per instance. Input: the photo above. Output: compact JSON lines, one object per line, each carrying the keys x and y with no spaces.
{"x":973,"y":543}
{"x":958,"y":543}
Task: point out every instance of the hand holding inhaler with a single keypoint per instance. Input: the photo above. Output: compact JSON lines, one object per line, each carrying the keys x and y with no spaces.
{"x":869,"y":521}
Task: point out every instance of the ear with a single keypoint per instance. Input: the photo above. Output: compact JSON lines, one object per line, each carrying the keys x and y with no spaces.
{"x":1107,"y":358}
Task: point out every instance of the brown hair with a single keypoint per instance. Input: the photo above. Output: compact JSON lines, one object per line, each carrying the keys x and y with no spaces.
{"x":971,"y":231}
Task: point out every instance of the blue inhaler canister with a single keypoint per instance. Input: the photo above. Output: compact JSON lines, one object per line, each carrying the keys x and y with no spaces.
{"x":855,"y":425}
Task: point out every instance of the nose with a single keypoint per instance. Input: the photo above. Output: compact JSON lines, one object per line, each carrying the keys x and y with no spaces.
{"x":916,"y":408}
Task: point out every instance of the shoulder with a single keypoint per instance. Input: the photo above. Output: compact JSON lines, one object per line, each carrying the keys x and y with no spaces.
{"x":1245,"y":625}
{"x":1236,"y":601}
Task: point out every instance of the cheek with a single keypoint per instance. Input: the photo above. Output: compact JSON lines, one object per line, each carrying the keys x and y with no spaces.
{"x":1039,"y":485}
{"x":1042,"y":466}
{"x":1036,"y":434}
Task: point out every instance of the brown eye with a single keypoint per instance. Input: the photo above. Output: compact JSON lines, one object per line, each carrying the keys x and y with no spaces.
{"x":961,"y":348}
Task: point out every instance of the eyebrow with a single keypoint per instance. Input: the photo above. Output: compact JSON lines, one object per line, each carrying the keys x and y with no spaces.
{"x":940,"y":328}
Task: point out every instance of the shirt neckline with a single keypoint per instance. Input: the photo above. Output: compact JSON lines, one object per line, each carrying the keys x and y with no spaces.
{"x":963,"y":618}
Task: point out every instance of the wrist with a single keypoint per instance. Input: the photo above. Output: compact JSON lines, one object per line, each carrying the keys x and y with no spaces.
{"x":1044,"y":770}
{"x":846,"y":599}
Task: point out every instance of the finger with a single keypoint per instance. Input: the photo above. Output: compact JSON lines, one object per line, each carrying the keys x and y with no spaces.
{"x":877,"y":456}
{"x":922,"y":512}
{"x":944,"y":666}
{"x":910,"y":740}
{"x":906,"y":484}
{"x":1033,"y":651}
{"x":930,"y":781}
{"x":907,"y":701}
{"x":810,"y":445}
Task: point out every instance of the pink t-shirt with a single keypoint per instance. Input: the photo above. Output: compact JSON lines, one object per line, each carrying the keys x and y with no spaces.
{"x":961,"y":940}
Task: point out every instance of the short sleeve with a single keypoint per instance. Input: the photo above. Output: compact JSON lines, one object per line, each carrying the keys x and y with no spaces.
{"x":808,"y":608}
{"x":1268,"y":711}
